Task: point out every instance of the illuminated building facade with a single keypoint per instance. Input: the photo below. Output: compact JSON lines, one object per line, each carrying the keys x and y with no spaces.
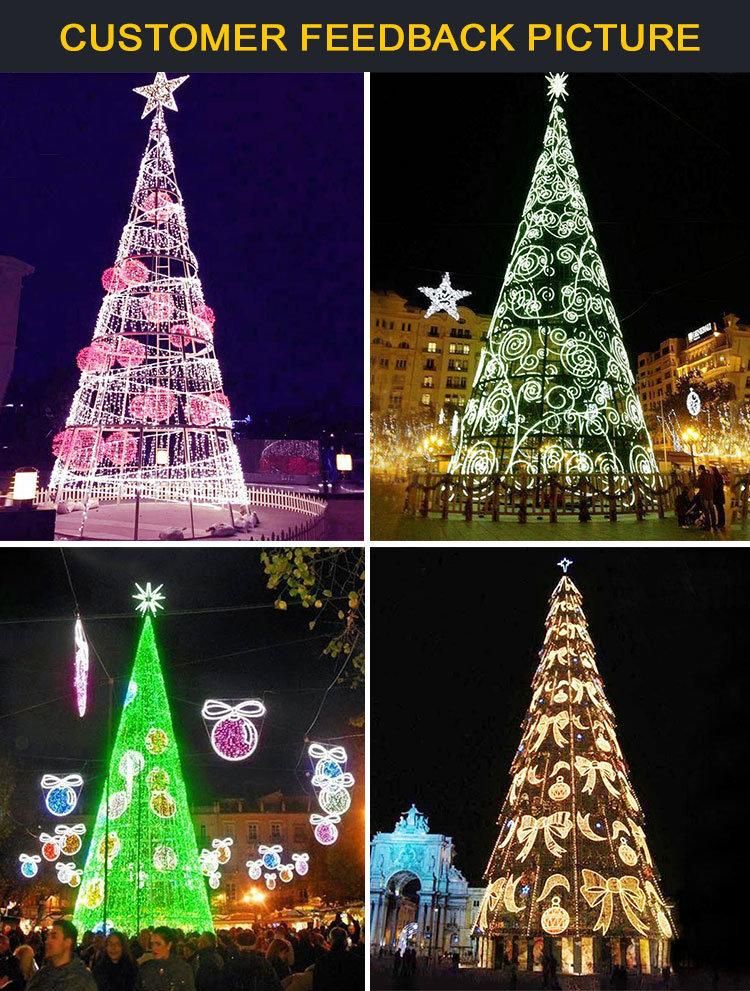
{"x":421,"y":364}
{"x":418,"y":897}
{"x":714,"y":353}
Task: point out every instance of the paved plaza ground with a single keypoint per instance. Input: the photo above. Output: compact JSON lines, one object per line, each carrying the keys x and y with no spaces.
{"x":388,"y":522}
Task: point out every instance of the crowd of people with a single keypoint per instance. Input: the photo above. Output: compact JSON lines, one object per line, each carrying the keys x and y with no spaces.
{"x":704,"y":508}
{"x":262,"y":958}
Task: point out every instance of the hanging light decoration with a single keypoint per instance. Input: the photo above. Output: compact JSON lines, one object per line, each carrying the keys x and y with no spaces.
{"x":62,"y":795}
{"x":81,"y":677}
{"x":234,"y":736}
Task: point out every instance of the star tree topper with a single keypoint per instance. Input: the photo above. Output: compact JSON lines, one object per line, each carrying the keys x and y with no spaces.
{"x":444,"y":297}
{"x":557,"y":85}
{"x":149,"y":599}
{"x":160,"y":93}
{"x":564,"y":564}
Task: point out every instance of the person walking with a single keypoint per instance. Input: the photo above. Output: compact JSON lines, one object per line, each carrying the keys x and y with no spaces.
{"x":167,"y":971}
{"x":706,"y":493}
{"x":719,"y":498}
{"x":115,"y":970}
{"x":62,"y":970}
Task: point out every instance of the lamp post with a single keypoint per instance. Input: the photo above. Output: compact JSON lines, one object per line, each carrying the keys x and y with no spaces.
{"x":25,"y":483}
{"x":690,"y":436}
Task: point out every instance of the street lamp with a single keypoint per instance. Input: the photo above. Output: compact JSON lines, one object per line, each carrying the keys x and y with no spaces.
{"x":690,"y":435}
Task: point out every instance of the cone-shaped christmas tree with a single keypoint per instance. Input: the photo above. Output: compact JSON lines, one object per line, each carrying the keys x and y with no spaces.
{"x":553,"y":389}
{"x":571,"y":873}
{"x":153,"y":875}
{"x":150,"y":414}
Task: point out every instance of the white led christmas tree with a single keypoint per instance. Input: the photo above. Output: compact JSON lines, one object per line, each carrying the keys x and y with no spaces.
{"x":150,"y":413}
{"x":553,"y":390}
{"x":571,"y":874}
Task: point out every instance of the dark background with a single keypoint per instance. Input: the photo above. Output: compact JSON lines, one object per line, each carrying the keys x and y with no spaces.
{"x":270,"y":167}
{"x":661,"y":165}
{"x":670,"y":629}
{"x":219,"y":637}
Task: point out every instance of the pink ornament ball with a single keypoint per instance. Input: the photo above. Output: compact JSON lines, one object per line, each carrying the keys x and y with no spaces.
{"x":234,"y":739}
{"x":76,"y":447}
{"x":130,"y":353}
{"x":121,"y":448}
{"x":180,"y":335}
{"x":96,"y":357}
{"x":112,"y":279}
{"x":133,"y":272}
{"x":158,"y":307}
{"x":205,"y":313}
{"x":201,"y":411}
{"x":221,"y":398}
{"x":159,"y":404}
{"x":326,"y":833}
{"x":157,"y":205}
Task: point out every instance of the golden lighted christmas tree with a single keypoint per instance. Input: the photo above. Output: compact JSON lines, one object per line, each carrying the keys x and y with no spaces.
{"x":571,"y":874}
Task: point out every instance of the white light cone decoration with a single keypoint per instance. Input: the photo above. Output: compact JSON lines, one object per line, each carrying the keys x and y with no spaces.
{"x":150,"y":413}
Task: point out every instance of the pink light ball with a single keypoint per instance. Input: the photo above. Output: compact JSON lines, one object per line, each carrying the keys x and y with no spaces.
{"x":234,"y":739}
{"x":326,"y":833}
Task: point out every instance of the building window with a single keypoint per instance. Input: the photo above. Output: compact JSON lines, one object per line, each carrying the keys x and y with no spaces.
{"x":401,"y":363}
{"x":300,"y":833}
{"x":383,"y":362}
{"x":395,"y":400}
{"x":404,"y":345}
{"x":252,"y":832}
{"x":203,"y":832}
{"x":433,"y":332}
{"x":228,"y":828}
{"x":432,"y":347}
{"x":427,"y":382}
{"x":275,"y":830}
{"x":429,"y":365}
{"x":231,"y":891}
{"x":426,"y":399}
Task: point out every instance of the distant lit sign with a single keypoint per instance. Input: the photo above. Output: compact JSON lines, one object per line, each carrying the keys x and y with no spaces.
{"x":696,"y":335}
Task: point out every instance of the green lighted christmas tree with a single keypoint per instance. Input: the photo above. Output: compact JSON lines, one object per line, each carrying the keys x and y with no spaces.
{"x":553,"y":389}
{"x":571,"y":873}
{"x":152,"y":876}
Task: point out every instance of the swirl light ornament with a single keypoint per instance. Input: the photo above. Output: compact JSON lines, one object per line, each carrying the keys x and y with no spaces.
{"x":150,"y":376}
{"x":553,"y":390}
{"x":569,"y":821}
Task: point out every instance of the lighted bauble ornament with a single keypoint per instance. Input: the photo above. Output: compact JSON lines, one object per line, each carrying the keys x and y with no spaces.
{"x":131,"y":764}
{"x":233,"y":737}
{"x":165,"y":859}
{"x":201,"y":411}
{"x":204,"y":313}
{"x":131,"y":693}
{"x":62,"y":797}
{"x":334,"y":801}
{"x":269,"y":855}
{"x":112,"y":279}
{"x":270,"y":881}
{"x":209,"y":862}
{"x":156,"y":741}
{"x":94,"y":358}
{"x":155,"y":405}
{"x":157,"y":206}
{"x":163,"y":805}
{"x":223,"y":849}
{"x":254,"y":869}
{"x":118,"y":804}
{"x":112,"y":844}
{"x":70,"y":838}
{"x":214,"y":881}
{"x":180,"y":335}
{"x":555,"y":919}
{"x":324,"y":830}
{"x":50,"y":847}
{"x":286,"y":873}
{"x":157,"y":779}
{"x":29,"y":864}
{"x":75,"y":879}
{"x":329,"y":763}
{"x":92,"y":893}
{"x":559,"y":790}
{"x":66,"y":873}
{"x":134,"y":272}
{"x":626,"y":853}
{"x":157,"y":307}
{"x":301,"y":863}
{"x":693,"y":402}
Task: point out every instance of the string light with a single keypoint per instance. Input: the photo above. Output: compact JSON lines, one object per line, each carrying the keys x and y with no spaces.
{"x":553,"y":390}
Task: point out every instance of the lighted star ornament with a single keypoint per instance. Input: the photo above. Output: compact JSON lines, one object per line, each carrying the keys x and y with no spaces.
{"x":160,"y":93}
{"x":557,"y":85}
{"x":444,"y":297}
{"x":564,"y":564}
{"x":149,"y":599}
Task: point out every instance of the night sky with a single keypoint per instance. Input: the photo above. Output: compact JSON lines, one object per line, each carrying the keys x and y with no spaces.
{"x":270,"y":167}
{"x":251,"y":652}
{"x":660,"y":166}
{"x":670,"y":629}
